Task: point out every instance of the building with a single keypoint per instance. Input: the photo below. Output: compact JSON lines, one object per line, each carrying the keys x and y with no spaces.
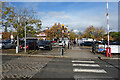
{"x":42,"y":36}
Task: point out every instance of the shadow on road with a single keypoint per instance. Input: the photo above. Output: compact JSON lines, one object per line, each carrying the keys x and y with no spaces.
{"x":108,"y":63}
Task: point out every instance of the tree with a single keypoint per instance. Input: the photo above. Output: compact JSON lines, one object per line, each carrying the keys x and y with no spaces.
{"x":89,"y":32}
{"x":94,"y":33}
{"x":115,"y":35}
{"x":7,"y":15}
{"x":73,"y":36}
{"x":80,"y":35}
{"x":56,"y":31}
{"x":18,"y":19}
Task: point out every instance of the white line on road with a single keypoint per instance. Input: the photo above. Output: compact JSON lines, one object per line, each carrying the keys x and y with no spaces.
{"x":84,"y":61}
{"x":91,"y":65}
{"x":90,"y":70}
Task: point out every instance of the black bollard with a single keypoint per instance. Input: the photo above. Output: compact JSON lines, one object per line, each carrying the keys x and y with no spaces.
{"x":68,"y":45}
{"x":62,"y":50}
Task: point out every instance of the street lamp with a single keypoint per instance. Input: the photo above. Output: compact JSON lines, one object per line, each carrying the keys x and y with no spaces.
{"x":25,"y":34}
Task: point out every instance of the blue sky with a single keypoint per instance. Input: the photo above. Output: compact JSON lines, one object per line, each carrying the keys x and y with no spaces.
{"x":77,"y":15}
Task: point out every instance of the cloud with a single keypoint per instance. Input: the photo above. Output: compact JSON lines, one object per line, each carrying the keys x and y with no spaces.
{"x":78,"y":21}
{"x":76,"y":31}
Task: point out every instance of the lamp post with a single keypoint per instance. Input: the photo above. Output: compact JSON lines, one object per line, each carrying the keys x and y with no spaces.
{"x":63,"y":39}
{"x":25,"y":37}
{"x":25,"y":32}
{"x":17,"y":48}
{"x":69,"y":39}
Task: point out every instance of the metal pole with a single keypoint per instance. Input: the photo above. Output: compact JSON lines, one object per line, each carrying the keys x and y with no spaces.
{"x":25,"y":37}
{"x":63,"y":39}
{"x":108,"y":23}
{"x":17,"y":48}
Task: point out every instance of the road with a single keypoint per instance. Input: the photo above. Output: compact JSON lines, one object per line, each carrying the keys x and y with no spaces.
{"x":78,"y":66}
{"x":79,"y":69}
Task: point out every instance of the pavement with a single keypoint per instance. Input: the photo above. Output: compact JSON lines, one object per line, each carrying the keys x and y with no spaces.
{"x":75,"y":52}
{"x":22,"y":67}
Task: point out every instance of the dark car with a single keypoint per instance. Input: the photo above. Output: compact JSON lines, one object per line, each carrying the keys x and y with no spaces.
{"x":32,"y":44}
{"x":87,"y":43}
{"x":45,"y":45}
{"x":115,"y":43}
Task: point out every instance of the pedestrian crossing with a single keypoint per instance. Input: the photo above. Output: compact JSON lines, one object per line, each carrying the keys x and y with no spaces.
{"x":83,"y":68}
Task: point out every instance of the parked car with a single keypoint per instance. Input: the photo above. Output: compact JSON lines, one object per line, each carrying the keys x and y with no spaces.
{"x":8,"y":45}
{"x":32,"y":44}
{"x":0,"y":44}
{"x":87,"y":43}
{"x":54,"y":43}
{"x":60,"y":43}
{"x":45,"y":45}
{"x":115,"y":43}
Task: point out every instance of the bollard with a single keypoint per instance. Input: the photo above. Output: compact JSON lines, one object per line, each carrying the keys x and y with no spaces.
{"x":17,"y":49}
{"x":62,"y":51}
{"x":68,"y":46}
{"x":110,"y":51}
{"x":107,"y":52}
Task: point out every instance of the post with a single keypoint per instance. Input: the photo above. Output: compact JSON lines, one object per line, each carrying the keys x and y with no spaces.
{"x":62,"y":51}
{"x":108,"y":23}
{"x":110,"y":51}
{"x":25,"y":37}
{"x":108,"y":48}
{"x":63,"y":39}
{"x":107,"y":52}
{"x":17,"y":48}
{"x":69,"y":39}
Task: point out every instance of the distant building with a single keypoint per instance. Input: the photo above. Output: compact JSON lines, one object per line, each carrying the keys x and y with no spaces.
{"x":42,"y":35}
{"x":87,"y":39}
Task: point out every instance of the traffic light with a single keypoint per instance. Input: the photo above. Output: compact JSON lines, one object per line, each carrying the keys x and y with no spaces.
{"x":62,"y":26}
{"x":68,"y":31}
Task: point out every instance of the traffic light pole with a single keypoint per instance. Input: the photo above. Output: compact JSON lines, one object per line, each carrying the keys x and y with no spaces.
{"x":68,"y":39}
{"x":63,"y":39}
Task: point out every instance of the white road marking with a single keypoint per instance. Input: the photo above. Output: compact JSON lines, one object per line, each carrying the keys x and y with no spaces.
{"x":83,"y":61}
{"x":91,"y":65}
{"x":90,"y":70}
{"x":79,"y":77}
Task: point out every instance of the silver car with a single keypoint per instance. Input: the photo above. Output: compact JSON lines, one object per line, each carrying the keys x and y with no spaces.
{"x":6,"y":45}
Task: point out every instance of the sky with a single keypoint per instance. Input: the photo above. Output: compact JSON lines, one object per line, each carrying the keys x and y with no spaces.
{"x":77,"y":15}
